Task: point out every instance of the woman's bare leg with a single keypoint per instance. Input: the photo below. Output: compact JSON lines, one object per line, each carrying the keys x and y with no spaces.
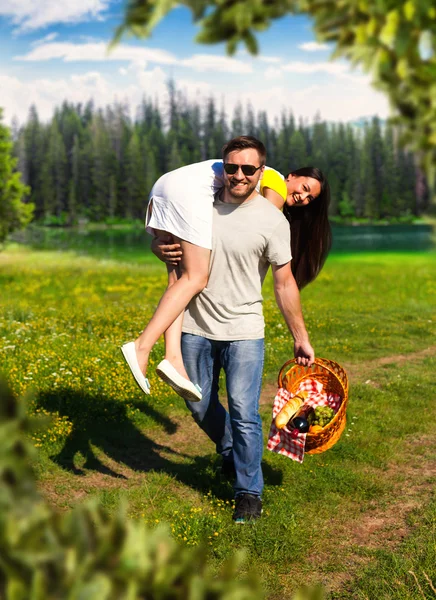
{"x":173,"y":335}
{"x":193,"y":278}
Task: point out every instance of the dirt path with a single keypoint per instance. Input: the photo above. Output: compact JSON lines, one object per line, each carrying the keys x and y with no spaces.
{"x":360,"y":372}
{"x":383,"y":527}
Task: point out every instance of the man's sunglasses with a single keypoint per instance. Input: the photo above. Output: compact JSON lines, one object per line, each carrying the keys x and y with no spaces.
{"x":248,"y":170}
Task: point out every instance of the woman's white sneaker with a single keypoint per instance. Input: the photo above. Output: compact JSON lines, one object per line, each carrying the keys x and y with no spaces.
{"x":129,"y":353}
{"x":182,"y":386}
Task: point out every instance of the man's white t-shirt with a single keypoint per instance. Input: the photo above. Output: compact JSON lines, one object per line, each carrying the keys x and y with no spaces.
{"x":247,"y":238}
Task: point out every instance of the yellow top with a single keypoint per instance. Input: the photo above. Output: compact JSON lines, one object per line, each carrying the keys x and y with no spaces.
{"x":272,"y":179}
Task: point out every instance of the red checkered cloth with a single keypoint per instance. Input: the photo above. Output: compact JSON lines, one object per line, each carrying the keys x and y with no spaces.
{"x":281,"y":440}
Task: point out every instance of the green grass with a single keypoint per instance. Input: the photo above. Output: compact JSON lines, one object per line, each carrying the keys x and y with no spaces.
{"x":406,"y":574}
{"x":63,"y":318}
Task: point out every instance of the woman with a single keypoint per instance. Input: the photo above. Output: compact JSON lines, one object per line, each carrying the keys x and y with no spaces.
{"x":181,"y":205}
{"x":311,"y":236}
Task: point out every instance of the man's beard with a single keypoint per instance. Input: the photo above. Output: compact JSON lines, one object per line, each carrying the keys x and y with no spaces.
{"x":243,"y":192}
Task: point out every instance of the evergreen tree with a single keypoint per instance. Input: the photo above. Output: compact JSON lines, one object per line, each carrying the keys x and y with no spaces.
{"x":19,"y":151}
{"x":14,"y":212}
{"x":173,"y":103}
{"x":57,"y":164}
{"x":151,"y":173}
{"x":264,"y":134}
{"x":112,"y":204}
{"x":352,"y":183}
{"x":407,"y":176}
{"x":74,"y":181}
{"x":250,"y":121}
{"x":320,"y":150}
{"x":145,"y":115}
{"x":88,"y":114}
{"x":70,"y":127}
{"x":34,"y":153}
{"x":85,"y":184}
{"x":101,"y":163}
{"x":390,"y":186}
{"x":421,"y":191}
{"x":304,"y":129}
{"x":297,"y":152}
{"x":136,"y":186}
{"x":376,"y":152}
{"x":174,"y":158}
{"x":221,"y":134}
{"x":157,"y":142}
{"x":52,"y":187}
{"x":237,"y":126}
{"x":338,"y":171}
{"x":209,"y":124}
{"x":368,"y":176}
{"x":283,"y":153}
{"x":187,"y":135}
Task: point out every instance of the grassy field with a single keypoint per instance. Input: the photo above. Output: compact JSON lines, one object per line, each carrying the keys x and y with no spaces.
{"x":360,"y":518}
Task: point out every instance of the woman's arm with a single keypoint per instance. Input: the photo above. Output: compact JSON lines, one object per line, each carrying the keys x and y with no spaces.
{"x":273,"y":187}
{"x":273,"y":197}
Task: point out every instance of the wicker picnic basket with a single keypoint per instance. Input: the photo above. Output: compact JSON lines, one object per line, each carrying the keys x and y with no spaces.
{"x":334,"y":380}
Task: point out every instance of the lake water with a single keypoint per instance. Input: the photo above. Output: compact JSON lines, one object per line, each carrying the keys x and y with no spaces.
{"x":134,"y":244}
{"x":383,"y":238}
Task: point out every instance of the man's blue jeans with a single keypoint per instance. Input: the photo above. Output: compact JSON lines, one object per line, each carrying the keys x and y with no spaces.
{"x":237,"y":434}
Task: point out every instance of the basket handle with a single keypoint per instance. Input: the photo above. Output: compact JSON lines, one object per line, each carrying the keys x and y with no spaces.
{"x":316,"y":362}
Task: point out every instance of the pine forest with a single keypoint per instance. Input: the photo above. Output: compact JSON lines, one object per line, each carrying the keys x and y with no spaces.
{"x":100,"y":164}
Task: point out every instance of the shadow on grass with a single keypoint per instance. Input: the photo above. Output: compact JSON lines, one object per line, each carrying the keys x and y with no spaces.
{"x":103,"y":424}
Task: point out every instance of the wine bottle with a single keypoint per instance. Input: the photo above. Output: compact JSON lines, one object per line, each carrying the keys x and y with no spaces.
{"x":301,"y":424}
{"x":306,"y":412}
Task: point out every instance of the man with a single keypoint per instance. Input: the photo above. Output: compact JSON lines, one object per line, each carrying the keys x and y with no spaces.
{"x":223,"y":327}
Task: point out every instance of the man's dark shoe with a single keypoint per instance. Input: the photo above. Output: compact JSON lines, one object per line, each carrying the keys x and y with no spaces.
{"x":247,"y":508}
{"x":228,"y":470}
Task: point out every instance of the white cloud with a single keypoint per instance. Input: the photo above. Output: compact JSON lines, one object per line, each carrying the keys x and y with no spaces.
{"x":273,"y":73}
{"x":333,"y":68}
{"x":336,"y":69}
{"x":313,"y":47}
{"x":98,"y":51}
{"x":338,"y":101}
{"x":47,"y":94}
{"x":207,"y":62}
{"x":34,"y":14}
{"x":45,"y":40}
{"x":343,"y":98}
{"x":198,"y":90}
{"x":269,"y":59}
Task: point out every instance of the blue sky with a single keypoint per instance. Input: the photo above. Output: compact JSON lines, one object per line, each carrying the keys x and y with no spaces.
{"x":56,"y":50}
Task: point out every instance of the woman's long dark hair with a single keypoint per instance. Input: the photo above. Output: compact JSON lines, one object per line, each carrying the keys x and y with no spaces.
{"x":311,"y":234}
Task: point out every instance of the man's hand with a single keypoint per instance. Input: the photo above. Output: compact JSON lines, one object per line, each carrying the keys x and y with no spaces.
{"x":304,"y":353}
{"x":166,"y":250}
